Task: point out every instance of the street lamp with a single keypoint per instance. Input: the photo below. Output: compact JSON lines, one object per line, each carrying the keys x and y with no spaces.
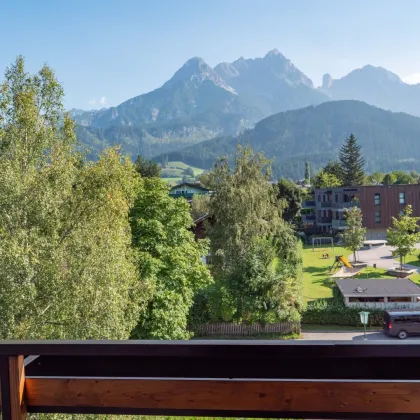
{"x":364,"y":317}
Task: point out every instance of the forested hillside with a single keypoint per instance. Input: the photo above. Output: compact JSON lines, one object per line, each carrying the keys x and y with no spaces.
{"x":389,"y":140}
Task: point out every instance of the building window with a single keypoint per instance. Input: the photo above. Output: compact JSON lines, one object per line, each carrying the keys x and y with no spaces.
{"x":377,"y":199}
{"x":319,"y":213}
{"x":377,"y":217}
{"x":319,"y":198}
{"x":402,"y":198}
{"x":336,"y":198}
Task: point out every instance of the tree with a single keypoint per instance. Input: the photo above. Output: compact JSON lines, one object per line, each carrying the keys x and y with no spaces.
{"x":256,"y":259}
{"x":377,"y":178}
{"x":352,"y":163}
{"x":354,"y":234}
{"x":403,"y":177}
{"x":325,"y":180}
{"x":189,"y":172}
{"x":333,"y":168}
{"x":390,"y":179}
{"x":169,"y":258}
{"x":290,"y":196}
{"x":147,"y":168}
{"x":403,"y":235}
{"x":66,"y":268}
{"x":307,"y":173}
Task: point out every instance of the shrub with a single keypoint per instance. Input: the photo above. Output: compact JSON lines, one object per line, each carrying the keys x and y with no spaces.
{"x":334,"y":312}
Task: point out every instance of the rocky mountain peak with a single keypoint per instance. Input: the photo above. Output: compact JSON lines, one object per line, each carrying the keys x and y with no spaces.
{"x":195,"y":71}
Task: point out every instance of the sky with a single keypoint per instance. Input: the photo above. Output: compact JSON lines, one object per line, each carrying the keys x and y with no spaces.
{"x":107,"y":51}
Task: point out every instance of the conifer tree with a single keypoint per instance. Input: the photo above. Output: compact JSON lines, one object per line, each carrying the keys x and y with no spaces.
{"x":352,"y":163}
{"x":307,"y":173}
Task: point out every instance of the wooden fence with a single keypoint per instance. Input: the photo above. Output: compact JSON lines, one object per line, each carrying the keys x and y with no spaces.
{"x":230,"y":329}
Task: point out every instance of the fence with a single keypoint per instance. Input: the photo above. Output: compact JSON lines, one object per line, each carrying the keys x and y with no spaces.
{"x":230,"y":329}
{"x":212,"y":378}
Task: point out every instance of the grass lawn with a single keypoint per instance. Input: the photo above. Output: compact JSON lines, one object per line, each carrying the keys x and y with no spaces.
{"x":317,"y":271}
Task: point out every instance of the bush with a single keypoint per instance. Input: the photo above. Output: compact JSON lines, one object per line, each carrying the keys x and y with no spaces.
{"x":334,"y":312}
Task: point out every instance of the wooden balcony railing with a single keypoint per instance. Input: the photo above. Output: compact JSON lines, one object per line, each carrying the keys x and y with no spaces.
{"x":283,"y":379}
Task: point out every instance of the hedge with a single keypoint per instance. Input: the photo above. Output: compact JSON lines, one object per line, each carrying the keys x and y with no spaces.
{"x":334,"y":312}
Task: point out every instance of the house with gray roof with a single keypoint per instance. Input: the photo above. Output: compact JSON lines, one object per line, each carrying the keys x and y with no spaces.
{"x":380,"y":293}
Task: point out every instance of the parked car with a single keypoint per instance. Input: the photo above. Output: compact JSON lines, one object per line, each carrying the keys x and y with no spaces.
{"x":401,"y":324}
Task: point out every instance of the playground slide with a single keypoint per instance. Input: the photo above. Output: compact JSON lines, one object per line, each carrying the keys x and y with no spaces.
{"x":345,"y":261}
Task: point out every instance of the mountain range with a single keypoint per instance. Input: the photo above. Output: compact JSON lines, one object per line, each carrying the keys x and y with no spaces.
{"x":389,"y":140}
{"x":200,"y":103}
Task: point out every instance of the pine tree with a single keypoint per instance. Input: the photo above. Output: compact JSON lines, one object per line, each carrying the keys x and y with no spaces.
{"x":352,"y":162}
{"x":307,"y":173}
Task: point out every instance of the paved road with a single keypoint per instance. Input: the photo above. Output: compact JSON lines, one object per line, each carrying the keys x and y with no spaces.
{"x":381,"y":256}
{"x":349,"y":335}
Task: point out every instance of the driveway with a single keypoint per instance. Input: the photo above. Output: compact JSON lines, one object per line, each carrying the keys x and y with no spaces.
{"x":349,"y":335}
{"x":381,"y":256}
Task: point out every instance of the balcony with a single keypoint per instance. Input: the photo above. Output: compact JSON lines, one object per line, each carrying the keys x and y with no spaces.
{"x":339,"y":224}
{"x":341,"y":205}
{"x":326,"y":204}
{"x":308,"y":204}
{"x":277,"y":379}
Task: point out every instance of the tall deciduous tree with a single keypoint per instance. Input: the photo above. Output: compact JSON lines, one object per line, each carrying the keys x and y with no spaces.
{"x":325,"y":180}
{"x":256,"y":257}
{"x":377,"y":178}
{"x":66,"y":266}
{"x":403,"y":235}
{"x":169,"y":258}
{"x":354,"y":234}
{"x":352,"y":163}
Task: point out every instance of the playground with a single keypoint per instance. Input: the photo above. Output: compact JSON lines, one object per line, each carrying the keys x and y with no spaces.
{"x":323,"y":263}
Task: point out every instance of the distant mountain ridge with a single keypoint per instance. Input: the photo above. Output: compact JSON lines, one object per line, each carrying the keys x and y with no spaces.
{"x":376,"y":86}
{"x":200,"y":102}
{"x":389,"y":140}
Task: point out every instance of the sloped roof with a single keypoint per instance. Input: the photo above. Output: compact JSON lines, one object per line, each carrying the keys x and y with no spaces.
{"x":190,"y":185}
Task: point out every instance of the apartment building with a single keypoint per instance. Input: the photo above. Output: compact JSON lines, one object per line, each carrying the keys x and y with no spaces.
{"x":377,"y":203}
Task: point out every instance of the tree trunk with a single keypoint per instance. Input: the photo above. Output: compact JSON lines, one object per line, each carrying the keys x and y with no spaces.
{"x":354,"y":256}
{"x":401,"y":262}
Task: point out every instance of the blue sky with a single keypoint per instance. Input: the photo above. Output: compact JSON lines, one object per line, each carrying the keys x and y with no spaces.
{"x":105,"y":52}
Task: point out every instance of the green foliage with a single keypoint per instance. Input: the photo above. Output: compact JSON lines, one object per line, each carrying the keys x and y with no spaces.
{"x":334,"y":312}
{"x":307,"y":173}
{"x":256,"y":259}
{"x":169,"y":258}
{"x":403,"y":235}
{"x":390,"y":179}
{"x":66,"y":268}
{"x":354,"y":234}
{"x":290,"y":196}
{"x":325,"y":180}
{"x":189,"y":172}
{"x":352,"y":163}
{"x":333,"y":168}
{"x":147,"y":168}
{"x":200,"y":205}
{"x":377,"y":178}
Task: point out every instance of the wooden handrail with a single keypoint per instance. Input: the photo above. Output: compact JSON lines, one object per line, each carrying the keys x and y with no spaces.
{"x":212,"y":378}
